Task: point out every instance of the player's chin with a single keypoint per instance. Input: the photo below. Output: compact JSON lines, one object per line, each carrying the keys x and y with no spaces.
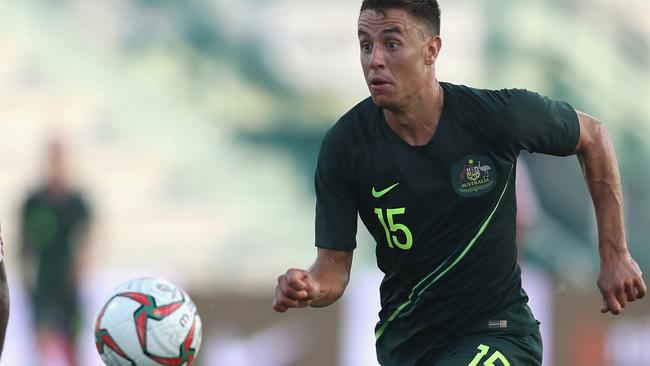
{"x":382,"y":100}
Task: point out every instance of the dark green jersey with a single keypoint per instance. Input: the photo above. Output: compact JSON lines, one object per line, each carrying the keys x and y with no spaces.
{"x":51,"y":233}
{"x":442,"y":214}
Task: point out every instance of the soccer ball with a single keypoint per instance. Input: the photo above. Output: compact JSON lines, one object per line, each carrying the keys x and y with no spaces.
{"x":148,"y":322}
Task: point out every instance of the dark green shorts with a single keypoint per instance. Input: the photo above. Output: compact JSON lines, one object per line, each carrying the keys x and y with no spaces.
{"x":494,"y":350}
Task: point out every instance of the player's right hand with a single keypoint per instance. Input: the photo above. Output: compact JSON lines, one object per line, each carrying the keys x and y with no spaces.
{"x":620,"y":282}
{"x":296,"y":289}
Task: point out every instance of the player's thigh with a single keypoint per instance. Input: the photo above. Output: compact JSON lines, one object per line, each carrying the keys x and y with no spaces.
{"x":495,"y":351}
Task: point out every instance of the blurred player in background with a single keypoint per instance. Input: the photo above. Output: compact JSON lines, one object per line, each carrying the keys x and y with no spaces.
{"x":4,"y":296}
{"x":55,"y":222}
{"x":430,"y":169}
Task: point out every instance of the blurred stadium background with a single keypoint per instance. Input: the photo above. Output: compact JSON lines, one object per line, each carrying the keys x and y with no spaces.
{"x":194,"y":128}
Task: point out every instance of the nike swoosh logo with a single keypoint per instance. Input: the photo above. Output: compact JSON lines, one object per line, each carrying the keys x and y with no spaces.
{"x":382,"y":192}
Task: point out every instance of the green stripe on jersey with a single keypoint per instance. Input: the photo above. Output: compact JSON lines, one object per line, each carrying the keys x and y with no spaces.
{"x":436,"y":276}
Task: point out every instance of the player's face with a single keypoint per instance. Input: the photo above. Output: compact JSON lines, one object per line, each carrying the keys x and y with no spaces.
{"x":396,"y":56}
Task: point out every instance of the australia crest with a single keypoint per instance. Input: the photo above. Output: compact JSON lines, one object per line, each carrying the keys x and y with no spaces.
{"x":473,"y":176}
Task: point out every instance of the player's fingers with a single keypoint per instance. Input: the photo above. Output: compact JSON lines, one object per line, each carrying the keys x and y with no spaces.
{"x":286,"y":290}
{"x":612,"y":304}
{"x":285,"y":285}
{"x":631,"y":292}
{"x":294,"y":294}
{"x":621,"y":296}
{"x":603,"y":307}
{"x":302,"y":304}
{"x":296,"y":279}
{"x":641,"y":289}
{"x":282,"y":284}
{"x":311,"y":286}
{"x":277,"y":306}
{"x":283,"y":302}
{"x":282,"y":306}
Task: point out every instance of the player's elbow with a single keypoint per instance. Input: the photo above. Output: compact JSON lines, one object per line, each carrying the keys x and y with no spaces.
{"x":593,"y":134}
{"x":599,"y":131}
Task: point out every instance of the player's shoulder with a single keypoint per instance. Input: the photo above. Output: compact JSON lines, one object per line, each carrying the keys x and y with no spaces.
{"x":77,"y":196}
{"x":363,"y":111}
{"x":35,"y":197}
{"x":77,"y":200}
{"x":492,"y":101}
{"x":353,"y":122}
{"x":468,"y":94}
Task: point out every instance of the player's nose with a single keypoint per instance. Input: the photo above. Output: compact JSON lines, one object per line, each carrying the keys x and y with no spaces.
{"x":376,"y":58}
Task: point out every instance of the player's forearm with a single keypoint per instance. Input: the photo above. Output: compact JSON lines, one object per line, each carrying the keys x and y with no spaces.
{"x":332,"y":271}
{"x":600,"y":168}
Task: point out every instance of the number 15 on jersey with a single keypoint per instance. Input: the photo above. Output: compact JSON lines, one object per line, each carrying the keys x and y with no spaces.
{"x":391,"y":228}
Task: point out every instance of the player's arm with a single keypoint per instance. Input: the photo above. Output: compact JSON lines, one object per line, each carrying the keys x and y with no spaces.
{"x":620,"y":279}
{"x":4,"y":298}
{"x":4,"y":305}
{"x":82,"y":259}
{"x":321,"y":285}
{"x":26,"y":251}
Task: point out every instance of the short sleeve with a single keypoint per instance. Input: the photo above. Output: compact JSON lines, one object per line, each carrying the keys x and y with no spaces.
{"x":540,"y":124}
{"x":336,"y":208}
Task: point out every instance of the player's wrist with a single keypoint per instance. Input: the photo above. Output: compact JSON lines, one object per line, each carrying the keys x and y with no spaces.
{"x":613,"y":253}
{"x":327,"y":295}
{"x":322,"y":302}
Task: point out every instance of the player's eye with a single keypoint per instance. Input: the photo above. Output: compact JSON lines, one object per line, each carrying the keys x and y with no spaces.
{"x":365,"y":47}
{"x":392,"y":45}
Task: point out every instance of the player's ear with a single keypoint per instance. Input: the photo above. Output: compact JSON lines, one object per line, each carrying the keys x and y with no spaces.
{"x":433,"y":46}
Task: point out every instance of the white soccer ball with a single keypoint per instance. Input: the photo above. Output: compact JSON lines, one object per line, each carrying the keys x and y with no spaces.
{"x":148,"y":322}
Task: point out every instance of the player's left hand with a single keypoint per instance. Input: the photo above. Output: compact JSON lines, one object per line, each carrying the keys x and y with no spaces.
{"x":620,"y":282}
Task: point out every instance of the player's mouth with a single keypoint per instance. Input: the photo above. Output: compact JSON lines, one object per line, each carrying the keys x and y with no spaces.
{"x":378,"y":84}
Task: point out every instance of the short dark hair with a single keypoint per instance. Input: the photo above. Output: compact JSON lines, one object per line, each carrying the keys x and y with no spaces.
{"x":427,"y":11}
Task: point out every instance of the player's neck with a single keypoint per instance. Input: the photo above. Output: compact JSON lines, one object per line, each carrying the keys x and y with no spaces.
{"x":417,"y":121}
{"x":56,"y":189}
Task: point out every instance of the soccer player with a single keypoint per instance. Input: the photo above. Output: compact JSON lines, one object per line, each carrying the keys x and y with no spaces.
{"x":55,"y":225}
{"x":430,"y":169}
